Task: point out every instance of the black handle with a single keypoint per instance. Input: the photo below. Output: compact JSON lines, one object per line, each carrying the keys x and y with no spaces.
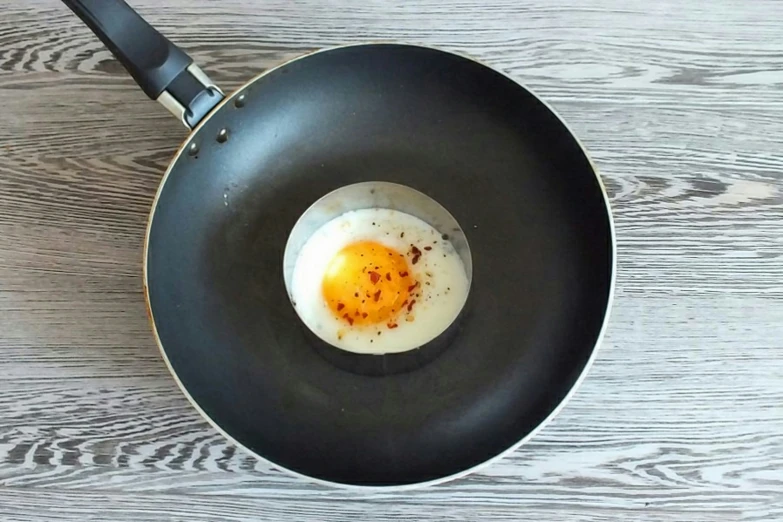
{"x":163,"y":71}
{"x":149,"y":57}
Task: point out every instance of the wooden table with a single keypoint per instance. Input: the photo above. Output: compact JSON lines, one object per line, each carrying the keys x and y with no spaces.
{"x":681,"y":418}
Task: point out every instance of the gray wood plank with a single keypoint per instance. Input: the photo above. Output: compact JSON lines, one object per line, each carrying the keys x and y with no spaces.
{"x":24,"y":506}
{"x":681,"y":418}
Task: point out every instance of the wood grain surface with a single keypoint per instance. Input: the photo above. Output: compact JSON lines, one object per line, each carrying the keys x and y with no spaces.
{"x":681,"y":418}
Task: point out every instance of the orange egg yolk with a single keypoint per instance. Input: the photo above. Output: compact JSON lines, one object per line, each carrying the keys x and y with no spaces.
{"x":367,"y":283}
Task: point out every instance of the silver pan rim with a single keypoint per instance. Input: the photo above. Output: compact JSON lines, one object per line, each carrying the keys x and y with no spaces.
{"x":416,"y":485}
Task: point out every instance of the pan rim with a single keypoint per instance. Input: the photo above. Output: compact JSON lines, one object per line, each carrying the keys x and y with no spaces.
{"x":395,"y":487}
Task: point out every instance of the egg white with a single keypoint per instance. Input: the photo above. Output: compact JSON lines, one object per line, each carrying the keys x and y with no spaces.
{"x":440,"y":271}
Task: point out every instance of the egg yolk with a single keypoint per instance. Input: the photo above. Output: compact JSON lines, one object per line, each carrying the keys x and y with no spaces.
{"x":367,"y":283}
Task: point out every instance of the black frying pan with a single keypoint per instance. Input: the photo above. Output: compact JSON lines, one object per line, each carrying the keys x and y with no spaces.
{"x":488,"y":150}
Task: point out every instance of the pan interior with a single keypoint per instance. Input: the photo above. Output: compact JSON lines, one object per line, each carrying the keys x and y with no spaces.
{"x":507,"y":169}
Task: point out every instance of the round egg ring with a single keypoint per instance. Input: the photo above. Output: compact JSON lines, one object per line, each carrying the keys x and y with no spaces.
{"x":379,"y":195}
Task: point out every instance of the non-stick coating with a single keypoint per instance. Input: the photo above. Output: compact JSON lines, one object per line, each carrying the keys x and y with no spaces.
{"x":471,"y":138}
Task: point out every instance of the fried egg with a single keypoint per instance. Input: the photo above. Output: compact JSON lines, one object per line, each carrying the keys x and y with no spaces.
{"x":378,"y":281}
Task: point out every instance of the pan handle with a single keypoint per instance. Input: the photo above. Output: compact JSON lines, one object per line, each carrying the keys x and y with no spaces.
{"x":162,"y":70}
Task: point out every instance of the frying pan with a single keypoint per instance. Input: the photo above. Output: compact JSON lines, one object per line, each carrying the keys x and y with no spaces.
{"x":504,"y":165}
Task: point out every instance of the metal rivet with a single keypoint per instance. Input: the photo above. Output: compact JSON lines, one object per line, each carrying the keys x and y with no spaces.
{"x":240,"y":101}
{"x":193,"y":149}
{"x":222,"y":136}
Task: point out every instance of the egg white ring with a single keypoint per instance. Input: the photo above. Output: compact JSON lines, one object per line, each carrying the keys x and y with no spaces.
{"x":440,"y":296}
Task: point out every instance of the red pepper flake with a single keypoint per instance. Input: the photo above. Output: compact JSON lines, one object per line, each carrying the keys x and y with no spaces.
{"x":388,"y":276}
{"x":414,"y":285}
{"x":391,"y":326}
{"x":403,"y":274}
{"x":376,"y":296}
{"x":340,"y":306}
{"x":415,"y":251}
{"x":374,"y":277}
{"x":348,"y":318}
{"x":356,"y":294}
{"x":428,"y":248}
{"x":364,"y":315}
{"x":410,"y":306}
{"x":404,"y":303}
{"x":356,"y":313}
